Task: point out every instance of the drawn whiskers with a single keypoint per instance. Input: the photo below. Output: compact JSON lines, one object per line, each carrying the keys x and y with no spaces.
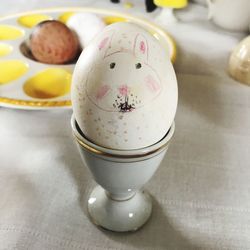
{"x":125,"y":106}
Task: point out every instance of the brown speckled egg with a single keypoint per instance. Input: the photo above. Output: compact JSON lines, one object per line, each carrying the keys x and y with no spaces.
{"x":53,"y":42}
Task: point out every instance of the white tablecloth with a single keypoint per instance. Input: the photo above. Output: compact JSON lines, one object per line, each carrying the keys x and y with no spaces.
{"x":202,"y":189}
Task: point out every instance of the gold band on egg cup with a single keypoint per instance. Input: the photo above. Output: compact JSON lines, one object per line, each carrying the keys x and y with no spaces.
{"x":102,"y":151}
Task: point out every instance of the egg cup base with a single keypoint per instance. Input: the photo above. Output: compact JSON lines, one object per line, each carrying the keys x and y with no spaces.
{"x":119,"y":216}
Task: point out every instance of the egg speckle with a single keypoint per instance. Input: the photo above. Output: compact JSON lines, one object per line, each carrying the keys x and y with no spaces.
{"x":132,"y":95}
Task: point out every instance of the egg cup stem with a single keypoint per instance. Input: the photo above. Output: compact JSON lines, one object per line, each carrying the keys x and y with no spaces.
{"x":117,"y":204}
{"x":119,"y":215}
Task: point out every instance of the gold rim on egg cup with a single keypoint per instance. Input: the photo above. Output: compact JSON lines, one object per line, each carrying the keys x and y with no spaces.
{"x":143,"y":153}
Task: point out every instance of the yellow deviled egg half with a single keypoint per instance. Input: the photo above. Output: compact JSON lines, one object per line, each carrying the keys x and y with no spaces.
{"x":32,"y":20}
{"x":5,"y":49}
{"x":171,"y":3}
{"x":11,"y":70}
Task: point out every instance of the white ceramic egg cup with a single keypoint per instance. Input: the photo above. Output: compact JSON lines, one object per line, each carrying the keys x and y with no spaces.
{"x":117,"y":204}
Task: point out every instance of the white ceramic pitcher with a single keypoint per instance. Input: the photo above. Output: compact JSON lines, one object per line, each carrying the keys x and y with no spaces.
{"x":230,"y":14}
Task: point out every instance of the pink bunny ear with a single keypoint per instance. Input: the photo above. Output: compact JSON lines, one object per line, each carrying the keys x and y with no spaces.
{"x":141,"y":47}
{"x":103,"y":43}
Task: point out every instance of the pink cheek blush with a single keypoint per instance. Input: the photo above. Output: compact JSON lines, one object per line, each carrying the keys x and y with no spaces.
{"x":142,"y":47}
{"x":152,"y":84}
{"x":102,"y":91}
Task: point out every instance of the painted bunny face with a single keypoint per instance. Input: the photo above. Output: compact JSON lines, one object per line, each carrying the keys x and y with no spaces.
{"x":124,"y":89}
{"x":123,"y":80}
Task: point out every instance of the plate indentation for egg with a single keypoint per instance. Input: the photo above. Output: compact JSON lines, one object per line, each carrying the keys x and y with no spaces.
{"x":50,"y":83}
{"x":8,"y":32}
{"x":30,"y":21}
{"x":25,"y":50}
{"x":11,"y":70}
{"x":5,"y":49}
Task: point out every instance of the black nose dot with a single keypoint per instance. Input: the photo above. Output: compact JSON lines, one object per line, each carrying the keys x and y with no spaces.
{"x":112,"y":65}
{"x":138,"y":65}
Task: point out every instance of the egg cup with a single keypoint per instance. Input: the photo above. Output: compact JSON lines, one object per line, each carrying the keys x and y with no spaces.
{"x":118,"y":203}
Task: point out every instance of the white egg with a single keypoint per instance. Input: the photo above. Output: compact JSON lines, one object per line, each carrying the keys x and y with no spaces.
{"x":124,"y":89}
{"x":86,"y":26}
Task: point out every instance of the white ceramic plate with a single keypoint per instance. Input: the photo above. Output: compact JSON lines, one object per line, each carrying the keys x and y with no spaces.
{"x":12,"y":93}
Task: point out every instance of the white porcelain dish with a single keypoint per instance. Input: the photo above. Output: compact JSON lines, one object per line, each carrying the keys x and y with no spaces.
{"x":13,"y":93}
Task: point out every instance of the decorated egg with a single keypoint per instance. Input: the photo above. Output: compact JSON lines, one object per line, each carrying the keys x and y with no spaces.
{"x":124,"y":89}
{"x":54,"y":43}
{"x":86,"y":26}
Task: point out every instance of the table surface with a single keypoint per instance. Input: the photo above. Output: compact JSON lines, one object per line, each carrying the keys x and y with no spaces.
{"x":201,"y":190}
